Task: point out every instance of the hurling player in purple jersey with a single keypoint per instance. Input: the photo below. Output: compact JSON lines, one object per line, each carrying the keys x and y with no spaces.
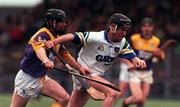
{"x":32,"y":78}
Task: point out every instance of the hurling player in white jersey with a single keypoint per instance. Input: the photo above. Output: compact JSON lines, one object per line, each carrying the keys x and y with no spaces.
{"x":99,"y":50}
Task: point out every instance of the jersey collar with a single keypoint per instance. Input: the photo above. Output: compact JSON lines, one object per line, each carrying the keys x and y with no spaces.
{"x":106,"y":37}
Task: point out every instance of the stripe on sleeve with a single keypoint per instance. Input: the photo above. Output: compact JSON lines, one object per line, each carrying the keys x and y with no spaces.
{"x":125,"y":45}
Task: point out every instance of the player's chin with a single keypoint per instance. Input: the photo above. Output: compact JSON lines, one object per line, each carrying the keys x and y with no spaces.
{"x":118,"y":39}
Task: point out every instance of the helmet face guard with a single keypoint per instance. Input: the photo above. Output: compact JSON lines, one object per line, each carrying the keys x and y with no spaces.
{"x":55,"y":16}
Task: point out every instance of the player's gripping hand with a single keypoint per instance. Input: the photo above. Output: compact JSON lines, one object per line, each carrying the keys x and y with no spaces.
{"x":49,"y":44}
{"x":48,"y":64}
{"x":139,"y":63}
{"x":159,"y":53}
{"x":85,"y":71}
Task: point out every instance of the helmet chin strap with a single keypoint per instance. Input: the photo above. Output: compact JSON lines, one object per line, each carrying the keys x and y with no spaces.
{"x":54,"y":24}
{"x":51,"y":27}
{"x":113,"y":29}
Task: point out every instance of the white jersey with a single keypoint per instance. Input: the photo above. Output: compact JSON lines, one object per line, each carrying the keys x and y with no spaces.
{"x":98,"y":53}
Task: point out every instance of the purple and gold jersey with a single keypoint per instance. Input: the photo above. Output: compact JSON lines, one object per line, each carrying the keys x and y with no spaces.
{"x":31,"y":64}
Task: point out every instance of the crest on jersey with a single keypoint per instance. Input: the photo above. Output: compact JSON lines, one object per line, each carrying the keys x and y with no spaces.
{"x":116,"y":49}
{"x":39,"y":41}
{"x":100,"y":48}
{"x":152,"y":45}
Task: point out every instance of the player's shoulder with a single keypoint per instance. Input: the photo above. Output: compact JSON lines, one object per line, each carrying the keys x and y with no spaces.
{"x":42,"y":33}
{"x":43,"y":30}
{"x":155,"y":38}
{"x":123,"y":42}
{"x":97,"y":32}
{"x":90,"y":33}
{"x":135,"y":36}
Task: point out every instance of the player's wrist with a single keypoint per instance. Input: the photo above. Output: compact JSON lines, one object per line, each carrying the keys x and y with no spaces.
{"x":45,"y":61}
{"x":135,"y":58}
{"x":54,"y":42}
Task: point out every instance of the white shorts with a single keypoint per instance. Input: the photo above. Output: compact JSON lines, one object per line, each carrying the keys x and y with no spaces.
{"x":27,"y":86}
{"x":124,"y":74}
{"x":141,"y":76}
{"x":77,"y":84}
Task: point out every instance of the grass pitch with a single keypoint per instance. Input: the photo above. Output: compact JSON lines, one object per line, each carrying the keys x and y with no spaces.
{"x":46,"y":102}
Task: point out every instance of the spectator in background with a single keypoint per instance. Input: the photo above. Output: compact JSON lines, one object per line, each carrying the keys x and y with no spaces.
{"x":4,"y":37}
{"x":15,"y":29}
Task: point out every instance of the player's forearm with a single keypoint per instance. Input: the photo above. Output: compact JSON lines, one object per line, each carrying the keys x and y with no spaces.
{"x":125,"y":61}
{"x":162,"y":56}
{"x":63,"y":38}
{"x":128,"y":62}
{"x":159,"y":53}
{"x":72,"y":62}
{"x":41,"y":54}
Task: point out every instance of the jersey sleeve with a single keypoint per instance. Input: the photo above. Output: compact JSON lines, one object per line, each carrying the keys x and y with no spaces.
{"x":133,"y":40}
{"x":37,"y":41}
{"x":127,"y":52}
{"x":62,"y":49}
{"x":81,"y":38}
{"x":63,"y":52}
{"x":157,"y":41}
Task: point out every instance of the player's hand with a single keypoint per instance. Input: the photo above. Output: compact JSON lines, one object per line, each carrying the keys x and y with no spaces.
{"x":159,"y":53}
{"x":48,"y":64}
{"x":85,"y":71}
{"x":49,"y":44}
{"x":139,"y":63}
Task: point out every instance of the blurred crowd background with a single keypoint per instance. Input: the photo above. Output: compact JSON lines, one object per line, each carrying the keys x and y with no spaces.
{"x":17,"y":25}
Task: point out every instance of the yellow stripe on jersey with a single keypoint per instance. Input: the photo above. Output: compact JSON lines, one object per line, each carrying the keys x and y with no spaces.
{"x":81,"y":37}
{"x":40,"y":43}
{"x":125,"y":51}
{"x":139,"y":43}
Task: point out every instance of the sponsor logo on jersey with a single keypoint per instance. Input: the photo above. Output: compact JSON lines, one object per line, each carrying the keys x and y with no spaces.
{"x":105,"y":58}
{"x":152,"y":45}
